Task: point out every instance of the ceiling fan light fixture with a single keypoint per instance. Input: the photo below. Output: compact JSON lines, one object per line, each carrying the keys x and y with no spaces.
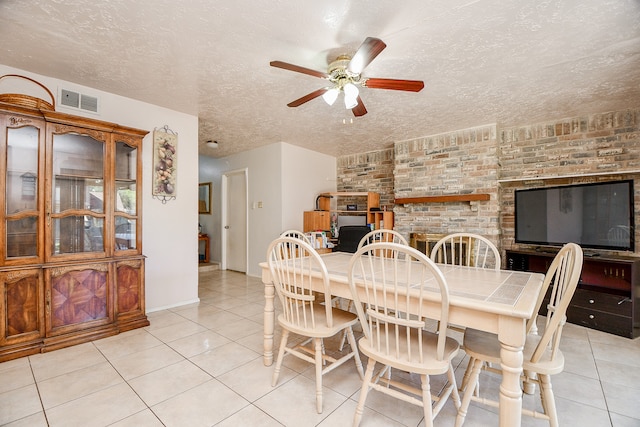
{"x":350,"y":101}
{"x":350,"y":96}
{"x":330,"y":96}
{"x":351,"y":90}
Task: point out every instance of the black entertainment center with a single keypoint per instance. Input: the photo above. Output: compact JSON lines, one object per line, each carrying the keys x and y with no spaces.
{"x":600,"y":218}
{"x":608,"y":294}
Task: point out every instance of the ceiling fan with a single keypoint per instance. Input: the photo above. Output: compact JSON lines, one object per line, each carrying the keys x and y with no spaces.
{"x":345,"y":75}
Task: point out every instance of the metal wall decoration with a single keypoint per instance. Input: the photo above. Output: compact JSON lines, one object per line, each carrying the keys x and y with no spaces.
{"x":165,"y":157}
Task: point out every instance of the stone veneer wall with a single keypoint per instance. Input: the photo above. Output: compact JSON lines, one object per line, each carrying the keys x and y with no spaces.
{"x":459,"y":162}
{"x":596,"y":148}
{"x":372,"y":171}
{"x":599,"y":147}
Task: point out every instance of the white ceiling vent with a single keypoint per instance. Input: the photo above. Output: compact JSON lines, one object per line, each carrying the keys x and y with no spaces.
{"x":70,"y":99}
{"x":89,"y":103}
{"x":79,"y":101}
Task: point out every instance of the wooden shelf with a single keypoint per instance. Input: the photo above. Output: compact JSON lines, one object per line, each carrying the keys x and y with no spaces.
{"x":444,"y":199}
{"x":321,"y":219}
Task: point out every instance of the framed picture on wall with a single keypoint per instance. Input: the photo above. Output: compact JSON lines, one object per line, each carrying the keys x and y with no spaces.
{"x":165,"y":159}
{"x":204,"y":198}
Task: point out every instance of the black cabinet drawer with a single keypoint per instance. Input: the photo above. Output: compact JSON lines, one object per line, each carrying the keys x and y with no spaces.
{"x":609,"y":303}
{"x":606,"y":322}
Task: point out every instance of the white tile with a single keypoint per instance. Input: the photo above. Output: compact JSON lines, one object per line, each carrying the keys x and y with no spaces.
{"x":35,"y":420}
{"x":303,"y":413}
{"x":198,"y":343}
{"x":195,"y":312}
{"x":239,"y":329}
{"x":224,"y":358}
{"x":203,"y":405}
{"x":254,"y":341}
{"x":64,"y":388}
{"x":97,"y":409}
{"x":579,"y":389}
{"x":618,"y":420}
{"x":58,"y":362}
{"x":620,"y":374}
{"x":127,"y":343}
{"x":617,"y":349}
{"x":162,"y":319}
{"x":218,"y":319}
{"x":165,"y":383}
{"x":144,"y":418}
{"x":248,"y":310}
{"x":15,"y":374}
{"x":22,"y":362}
{"x":576,"y":414}
{"x":343,"y":416}
{"x":622,"y":400}
{"x":19,"y":403}
{"x":145,"y":361}
{"x":253,"y":380}
{"x":177,"y":330}
{"x":577,"y":360}
{"x":249,"y":416}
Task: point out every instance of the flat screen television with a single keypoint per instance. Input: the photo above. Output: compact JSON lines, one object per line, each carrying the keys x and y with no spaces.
{"x":598,"y":216}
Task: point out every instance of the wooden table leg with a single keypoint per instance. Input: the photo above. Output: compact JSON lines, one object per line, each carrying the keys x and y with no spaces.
{"x":269,"y":323}
{"x":511,"y":336}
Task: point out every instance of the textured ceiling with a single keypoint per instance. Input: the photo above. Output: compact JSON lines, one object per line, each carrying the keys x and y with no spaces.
{"x":485,"y":61}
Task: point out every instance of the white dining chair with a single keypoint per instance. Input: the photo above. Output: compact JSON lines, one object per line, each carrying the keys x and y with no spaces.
{"x":382,"y":235}
{"x":541,"y":354}
{"x":468,"y":249}
{"x":294,"y":266}
{"x":376,"y":236}
{"x":384,"y":287}
{"x":297,"y":234}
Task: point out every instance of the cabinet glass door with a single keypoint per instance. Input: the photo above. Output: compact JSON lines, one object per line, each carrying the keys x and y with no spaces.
{"x":77,"y":199}
{"x":21,"y":192}
{"x":125,"y":203}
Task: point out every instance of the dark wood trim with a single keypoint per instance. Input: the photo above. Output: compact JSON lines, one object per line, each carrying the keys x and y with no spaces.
{"x":443,"y":199}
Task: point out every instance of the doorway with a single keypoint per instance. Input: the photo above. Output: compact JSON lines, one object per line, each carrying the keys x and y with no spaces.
{"x":234,"y":221}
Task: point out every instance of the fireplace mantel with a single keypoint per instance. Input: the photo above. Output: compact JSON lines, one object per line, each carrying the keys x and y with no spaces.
{"x":443,"y":199}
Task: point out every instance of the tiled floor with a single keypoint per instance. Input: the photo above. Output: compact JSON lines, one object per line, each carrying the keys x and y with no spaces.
{"x":201,"y":365}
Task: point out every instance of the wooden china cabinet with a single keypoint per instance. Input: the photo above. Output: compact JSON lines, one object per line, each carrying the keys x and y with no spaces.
{"x":71,"y":263}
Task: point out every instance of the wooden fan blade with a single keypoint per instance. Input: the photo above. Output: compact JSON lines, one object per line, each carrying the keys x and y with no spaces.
{"x":366,"y":53}
{"x":299,"y":69}
{"x":307,"y":98}
{"x":359,"y":110}
{"x":394,"y":84}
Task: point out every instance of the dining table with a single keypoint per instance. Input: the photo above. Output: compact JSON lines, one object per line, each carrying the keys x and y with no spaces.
{"x":496,"y":301}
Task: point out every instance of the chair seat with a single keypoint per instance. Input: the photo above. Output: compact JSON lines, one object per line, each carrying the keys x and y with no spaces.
{"x":430,"y":365}
{"x":485,"y":346}
{"x":341,"y":320}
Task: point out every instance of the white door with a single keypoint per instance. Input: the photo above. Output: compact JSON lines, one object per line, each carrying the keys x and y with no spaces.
{"x":234,"y":221}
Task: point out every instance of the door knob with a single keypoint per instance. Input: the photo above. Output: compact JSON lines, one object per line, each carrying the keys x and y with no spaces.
{"x":226,"y":227}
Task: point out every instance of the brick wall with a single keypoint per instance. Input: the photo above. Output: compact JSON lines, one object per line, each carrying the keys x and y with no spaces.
{"x":458,"y":162}
{"x":371,"y":171}
{"x":496,"y":161}
{"x":585,"y":149}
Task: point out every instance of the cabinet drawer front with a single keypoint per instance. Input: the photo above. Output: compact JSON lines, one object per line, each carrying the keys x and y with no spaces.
{"x":608,"y":303}
{"x":607,"y":322}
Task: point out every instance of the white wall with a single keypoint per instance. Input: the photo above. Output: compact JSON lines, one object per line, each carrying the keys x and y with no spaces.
{"x":285,"y":178}
{"x":169,"y":238}
{"x":305,"y":174}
